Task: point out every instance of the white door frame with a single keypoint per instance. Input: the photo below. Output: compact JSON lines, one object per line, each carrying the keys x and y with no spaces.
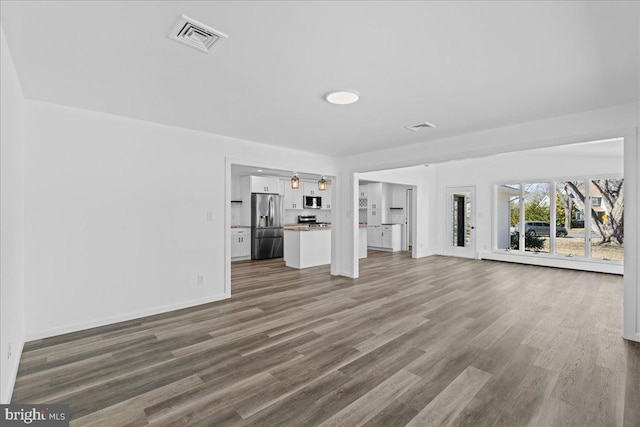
{"x":466,"y":251}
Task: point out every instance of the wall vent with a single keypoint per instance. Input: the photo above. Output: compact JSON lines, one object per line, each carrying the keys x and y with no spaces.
{"x":196,"y":34}
{"x":420,"y":126}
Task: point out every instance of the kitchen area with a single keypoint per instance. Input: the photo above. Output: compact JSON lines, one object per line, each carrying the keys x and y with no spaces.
{"x":279,"y":214}
{"x":385,"y":210}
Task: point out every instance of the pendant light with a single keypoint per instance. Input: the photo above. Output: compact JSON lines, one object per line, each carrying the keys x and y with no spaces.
{"x":295,"y":181}
{"x":323,"y":184}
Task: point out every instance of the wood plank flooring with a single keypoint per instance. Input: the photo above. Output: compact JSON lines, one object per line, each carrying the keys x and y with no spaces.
{"x":434,"y":341}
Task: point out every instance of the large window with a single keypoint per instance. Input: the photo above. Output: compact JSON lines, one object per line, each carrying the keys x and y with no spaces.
{"x":569,"y":217}
{"x":566,"y":218}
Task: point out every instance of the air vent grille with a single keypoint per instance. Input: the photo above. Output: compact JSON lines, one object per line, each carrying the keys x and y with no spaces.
{"x":196,"y":34}
{"x":420,"y":126}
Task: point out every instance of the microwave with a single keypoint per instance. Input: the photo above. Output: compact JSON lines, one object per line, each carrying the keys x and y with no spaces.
{"x":312,"y":202}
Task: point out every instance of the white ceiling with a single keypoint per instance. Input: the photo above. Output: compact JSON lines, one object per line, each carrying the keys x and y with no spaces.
{"x":464,"y":66}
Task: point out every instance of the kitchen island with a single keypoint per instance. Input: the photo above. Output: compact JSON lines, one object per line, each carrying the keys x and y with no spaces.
{"x":306,"y":246}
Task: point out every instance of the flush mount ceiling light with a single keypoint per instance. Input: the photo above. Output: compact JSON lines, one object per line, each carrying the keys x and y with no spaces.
{"x":196,"y":34}
{"x":295,"y":181}
{"x":323,"y":184}
{"x":342,"y":97}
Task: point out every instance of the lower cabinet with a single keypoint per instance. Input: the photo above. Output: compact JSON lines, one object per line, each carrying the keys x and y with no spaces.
{"x":374,"y":236}
{"x":240,"y":243}
{"x":387,"y":237}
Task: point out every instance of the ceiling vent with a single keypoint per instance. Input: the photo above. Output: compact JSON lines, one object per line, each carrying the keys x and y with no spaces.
{"x":197,"y":35}
{"x":420,"y":126}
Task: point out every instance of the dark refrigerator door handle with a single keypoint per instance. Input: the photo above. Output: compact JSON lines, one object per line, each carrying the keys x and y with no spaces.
{"x":271,"y":211}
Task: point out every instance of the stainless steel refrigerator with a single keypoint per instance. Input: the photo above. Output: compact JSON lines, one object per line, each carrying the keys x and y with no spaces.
{"x":267,"y":222}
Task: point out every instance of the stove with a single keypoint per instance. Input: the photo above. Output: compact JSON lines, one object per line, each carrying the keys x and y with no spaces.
{"x":311,"y":221}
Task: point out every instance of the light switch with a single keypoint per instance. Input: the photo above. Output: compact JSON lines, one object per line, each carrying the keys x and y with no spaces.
{"x":209,"y":216}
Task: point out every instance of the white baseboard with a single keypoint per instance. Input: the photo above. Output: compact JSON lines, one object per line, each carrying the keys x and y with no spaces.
{"x":426,"y":254}
{"x":14,"y":374}
{"x":349,"y":275}
{"x":635,"y":337}
{"x":547,"y":261}
{"x":120,"y":318}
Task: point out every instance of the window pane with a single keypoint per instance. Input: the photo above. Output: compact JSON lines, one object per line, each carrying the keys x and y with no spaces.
{"x":570,"y":218}
{"x":607,"y":222}
{"x":461,"y":219}
{"x":508,"y":210}
{"x":537,"y":210}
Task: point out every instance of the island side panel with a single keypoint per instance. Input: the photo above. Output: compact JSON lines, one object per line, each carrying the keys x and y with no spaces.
{"x":315,"y":248}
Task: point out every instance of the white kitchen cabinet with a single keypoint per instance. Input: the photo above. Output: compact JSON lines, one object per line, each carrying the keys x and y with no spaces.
{"x":326,"y":198}
{"x":240,"y":243}
{"x":307,"y":248}
{"x":374,"y":196}
{"x":387,"y":237}
{"x":310,"y":188}
{"x":265,"y":184}
{"x":374,"y":217}
{"x":362,"y":191}
{"x":392,"y":237}
{"x":374,"y":236}
{"x":292,"y":198}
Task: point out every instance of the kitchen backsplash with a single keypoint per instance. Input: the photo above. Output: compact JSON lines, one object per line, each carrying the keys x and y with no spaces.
{"x":291,"y":215}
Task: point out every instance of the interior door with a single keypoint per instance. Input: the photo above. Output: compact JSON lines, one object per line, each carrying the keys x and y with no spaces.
{"x":461,"y":239}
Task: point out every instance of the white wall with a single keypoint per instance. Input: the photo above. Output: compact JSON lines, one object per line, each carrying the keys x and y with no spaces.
{"x":611,"y":122}
{"x":116,"y":215}
{"x":485,"y":173}
{"x":11,"y":221}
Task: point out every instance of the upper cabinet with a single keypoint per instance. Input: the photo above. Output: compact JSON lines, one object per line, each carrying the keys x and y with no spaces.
{"x":375,"y":196}
{"x":362,"y":194}
{"x":292,"y":198}
{"x":310,"y":188}
{"x":326,"y":197}
{"x":265,"y":184}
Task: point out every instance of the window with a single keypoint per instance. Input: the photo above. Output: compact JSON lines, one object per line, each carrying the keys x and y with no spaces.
{"x":607,"y":222}
{"x":537,"y":214}
{"x":569,"y":199}
{"x":508,"y":216}
{"x":549,"y":218}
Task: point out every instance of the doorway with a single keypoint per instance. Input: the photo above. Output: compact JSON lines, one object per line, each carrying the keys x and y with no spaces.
{"x":461,"y":239}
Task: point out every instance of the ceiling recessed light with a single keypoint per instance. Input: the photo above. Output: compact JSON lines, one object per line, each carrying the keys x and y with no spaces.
{"x":259,"y":170}
{"x":342,"y":97}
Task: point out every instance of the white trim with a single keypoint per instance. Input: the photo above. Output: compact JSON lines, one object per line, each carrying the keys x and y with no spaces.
{"x":551,"y":261}
{"x":426,"y":254}
{"x":631,"y":303}
{"x":14,"y":373}
{"x":349,"y":275}
{"x":122,"y":317}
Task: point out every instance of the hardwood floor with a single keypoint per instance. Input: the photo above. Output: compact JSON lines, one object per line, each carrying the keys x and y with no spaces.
{"x":435,"y":341}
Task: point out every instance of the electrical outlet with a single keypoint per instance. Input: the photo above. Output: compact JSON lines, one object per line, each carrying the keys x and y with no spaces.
{"x":200,"y":280}
{"x":9,"y":352}
{"x":209,"y":216}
